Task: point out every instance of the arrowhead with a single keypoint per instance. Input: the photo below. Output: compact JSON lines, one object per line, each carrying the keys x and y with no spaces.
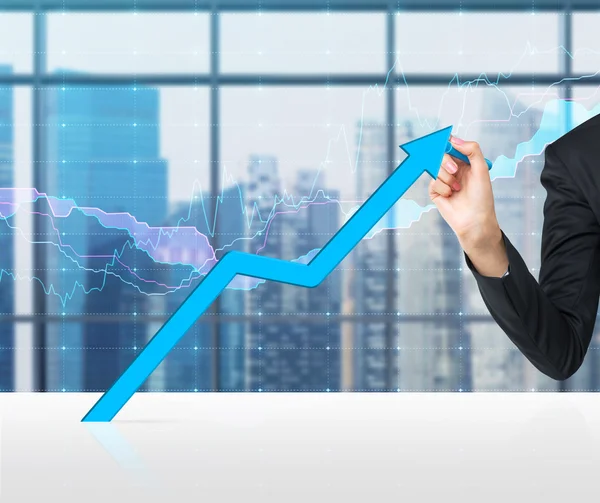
{"x":429,"y":149}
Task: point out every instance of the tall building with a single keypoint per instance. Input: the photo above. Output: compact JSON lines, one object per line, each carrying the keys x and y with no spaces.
{"x":497,"y":363}
{"x":110,"y":347}
{"x":282,"y":355}
{"x":189,"y":366}
{"x":427,"y":285}
{"x":370,"y":263}
{"x":263,"y":339}
{"x":317,"y":355}
{"x":101,"y":148}
{"x":7,"y":305}
{"x":230,"y":231}
{"x":434,"y":349}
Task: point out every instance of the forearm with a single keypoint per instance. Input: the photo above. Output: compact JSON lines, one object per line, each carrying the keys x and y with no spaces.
{"x":539,"y":328}
{"x":488,"y":255}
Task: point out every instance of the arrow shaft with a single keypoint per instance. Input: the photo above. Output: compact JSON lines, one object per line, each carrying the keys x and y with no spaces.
{"x":367,"y":216}
{"x":267,"y":268}
{"x":159,"y":346}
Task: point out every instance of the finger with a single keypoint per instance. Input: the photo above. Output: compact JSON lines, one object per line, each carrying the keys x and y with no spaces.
{"x":441,"y":188}
{"x":432,"y":193}
{"x":441,"y":202}
{"x":472,"y":150}
{"x":449,"y":164}
{"x":459,"y":162}
{"x":448,"y":179}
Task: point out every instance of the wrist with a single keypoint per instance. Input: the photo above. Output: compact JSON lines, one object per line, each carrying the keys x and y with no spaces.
{"x":489,"y":256}
{"x":488,"y":240}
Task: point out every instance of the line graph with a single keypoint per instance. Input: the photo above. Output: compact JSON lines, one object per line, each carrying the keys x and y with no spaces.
{"x":424,"y":156}
{"x":154,"y":241}
{"x":101,"y":251}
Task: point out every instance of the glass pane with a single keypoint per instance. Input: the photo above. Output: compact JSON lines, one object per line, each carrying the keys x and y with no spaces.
{"x":125,"y":172}
{"x":16,"y":42}
{"x":585,"y":104}
{"x":16,"y":180}
{"x":497,"y":364}
{"x":432,"y":353}
{"x":586,"y":52}
{"x":138,"y":42}
{"x":234,"y":355}
{"x":18,"y":357}
{"x":284,"y":356}
{"x":458,"y":42}
{"x":374,"y":357}
{"x":16,"y":237}
{"x":7,"y":351}
{"x":302,"y":42}
{"x":292,"y":175}
{"x":513,"y":126}
{"x":90,"y":356}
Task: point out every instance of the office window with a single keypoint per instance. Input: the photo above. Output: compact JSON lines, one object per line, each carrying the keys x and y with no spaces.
{"x":132,"y":43}
{"x":126,"y":220}
{"x":151,"y":167}
{"x":293,"y":160}
{"x":17,"y":273}
{"x":304,"y":159}
{"x":16,"y":42}
{"x":303,"y":42}
{"x":475,"y":42}
{"x":585,"y":104}
{"x":585,"y":54}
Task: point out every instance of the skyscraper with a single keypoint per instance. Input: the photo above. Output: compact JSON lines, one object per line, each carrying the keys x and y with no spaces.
{"x":189,"y":366}
{"x":370,"y":263}
{"x":291,"y":356}
{"x":7,"y":265}
{"x":231,"y":228}
{"x":434,"y":351}
{"x":101,"y":148}
{"x":497,"y":363}
{"x":317,"y":355}
{"x":263,"y":339}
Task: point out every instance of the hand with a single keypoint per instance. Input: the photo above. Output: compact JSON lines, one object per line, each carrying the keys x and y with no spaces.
{"x":463,"y":195}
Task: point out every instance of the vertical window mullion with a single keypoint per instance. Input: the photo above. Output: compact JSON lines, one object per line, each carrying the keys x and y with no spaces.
{"x":391,"y":376}
{"x":39,"y":259}
{"x":214,"y":181}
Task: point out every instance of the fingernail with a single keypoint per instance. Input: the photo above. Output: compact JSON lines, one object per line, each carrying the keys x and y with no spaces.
{"x":455,"y":139}
{"x":456,"y":186}
{"x":451,"y":166}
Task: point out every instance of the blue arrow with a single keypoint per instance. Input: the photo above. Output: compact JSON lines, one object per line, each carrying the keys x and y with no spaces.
{"x":424,"y":155}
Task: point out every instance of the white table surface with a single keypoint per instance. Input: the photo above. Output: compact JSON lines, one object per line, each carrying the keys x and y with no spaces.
{"x":267,"y":447}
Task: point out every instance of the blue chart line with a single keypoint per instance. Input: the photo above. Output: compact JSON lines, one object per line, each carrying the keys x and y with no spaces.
{"x":424,"y":155}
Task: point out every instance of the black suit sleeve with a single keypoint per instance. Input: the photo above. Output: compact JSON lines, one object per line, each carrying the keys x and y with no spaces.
{"x":552,"y":322}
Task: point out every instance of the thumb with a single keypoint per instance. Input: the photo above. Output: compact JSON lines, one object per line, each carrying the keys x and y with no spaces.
{"x":472,"y":150}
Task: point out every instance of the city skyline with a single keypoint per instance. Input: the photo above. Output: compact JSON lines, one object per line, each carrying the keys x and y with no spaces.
{"x":102,"y":357}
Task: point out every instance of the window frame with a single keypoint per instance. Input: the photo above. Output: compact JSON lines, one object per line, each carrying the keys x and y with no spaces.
{"x":216,"y":80}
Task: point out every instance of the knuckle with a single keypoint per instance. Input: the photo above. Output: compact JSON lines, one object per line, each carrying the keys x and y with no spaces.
{"x":445,"y":176}
{"x":441,"y":188}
